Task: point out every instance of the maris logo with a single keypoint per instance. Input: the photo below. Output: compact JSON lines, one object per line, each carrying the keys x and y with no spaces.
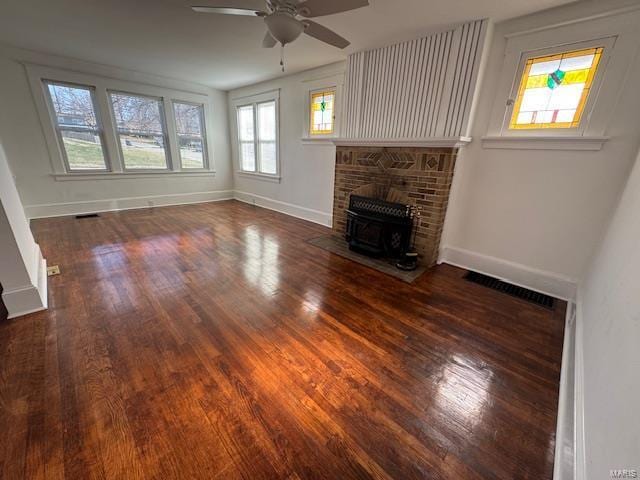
{"x":624,"y":473}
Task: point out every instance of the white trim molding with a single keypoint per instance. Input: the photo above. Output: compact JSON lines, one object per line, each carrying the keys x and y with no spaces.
{"x":65,"y":177}
{"x":128,"y":203}
{"x":544,"y":143}
{"x":580,"y":460}
{"x":315,"y":216}
{"x":564,"y":459}
{"x":28,"y":298}
{"x":318,"y":141}
{"x":542,"y":281}
{"x":260,"y":176}
{"x":447,"y":142}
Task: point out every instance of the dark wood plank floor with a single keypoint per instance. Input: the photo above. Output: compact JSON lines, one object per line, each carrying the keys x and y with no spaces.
{"x":211,"y":341}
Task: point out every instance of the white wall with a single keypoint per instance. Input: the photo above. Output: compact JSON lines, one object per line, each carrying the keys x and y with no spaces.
{"x":535,"y":216}
{"x":307,"y":169}
{"x":22,"y":269}
{"x":609,"y":316}
{"x":26,"y":148}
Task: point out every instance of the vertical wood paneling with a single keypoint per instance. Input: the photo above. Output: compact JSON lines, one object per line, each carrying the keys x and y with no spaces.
{"x":417,"y":89}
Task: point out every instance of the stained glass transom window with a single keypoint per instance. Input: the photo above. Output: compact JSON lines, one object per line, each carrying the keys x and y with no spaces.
{"x":322,"y":112}
{"x":554,"y":89}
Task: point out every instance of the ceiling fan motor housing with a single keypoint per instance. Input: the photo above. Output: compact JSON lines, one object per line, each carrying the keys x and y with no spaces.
{"x":283,"y":26}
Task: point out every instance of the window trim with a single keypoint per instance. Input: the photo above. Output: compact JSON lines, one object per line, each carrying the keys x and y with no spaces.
{"x":240,"y":142}
{"x":584,"y":96}
{"x":58,"y":130}
{"x":203,"y":136}
{"x":181,"y":92}
{"x":259,"y":142}
{"x":318,"y":91}
{"x":163,"y":124}
{"x":607,"y":45}
{"x":312,"y":86}
{"x":254,"y":101}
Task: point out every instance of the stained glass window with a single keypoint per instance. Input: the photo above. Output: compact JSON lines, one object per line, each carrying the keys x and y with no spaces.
{"x":554,"y":90}
{"x":322,"y":112}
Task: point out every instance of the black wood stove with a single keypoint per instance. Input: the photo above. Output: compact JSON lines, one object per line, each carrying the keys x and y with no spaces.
{"x":379,"y":228}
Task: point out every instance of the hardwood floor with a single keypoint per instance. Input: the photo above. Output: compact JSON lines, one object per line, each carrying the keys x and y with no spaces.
{"x":211,"y":341}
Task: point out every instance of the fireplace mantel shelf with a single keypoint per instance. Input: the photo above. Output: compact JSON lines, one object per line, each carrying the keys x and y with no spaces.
{"x":448,"y":142}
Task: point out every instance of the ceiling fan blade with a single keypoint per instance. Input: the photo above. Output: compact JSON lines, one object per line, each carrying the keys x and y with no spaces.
{"x":252,"y":8}
{"x":269,"y":41}
{"x":325,"y":35}
{"x":318,"y":8}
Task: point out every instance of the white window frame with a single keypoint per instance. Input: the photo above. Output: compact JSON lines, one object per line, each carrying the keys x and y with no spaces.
{"x":99,"y":130}
{"x":332,"y":81}
{"x":605,"y":43}
{"x":617,"y":36}
{"x":254,"y":101}
{"x":163,"y":124}
{"x":37,"y":74}
{"x":203,"y":135}
{"x":254,"y":141}
{"x":310,"y":95}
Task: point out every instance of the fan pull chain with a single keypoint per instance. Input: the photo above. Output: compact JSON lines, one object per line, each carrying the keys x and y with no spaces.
{"x":282,"y":56}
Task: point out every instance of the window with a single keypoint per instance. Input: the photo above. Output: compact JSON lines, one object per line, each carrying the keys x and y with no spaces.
{"x":246,"y":139}
{"x":141,"y":131}
{"x":257,"y":137}
{"x":192,"y":145}
{"x":267,"y":138}
{"x":77,"y":125}
{"x":554,"y":89}
{"x":322,"y":112}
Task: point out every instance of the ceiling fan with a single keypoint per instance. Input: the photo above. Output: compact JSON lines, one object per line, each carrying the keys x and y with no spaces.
{"x":281,"y":17}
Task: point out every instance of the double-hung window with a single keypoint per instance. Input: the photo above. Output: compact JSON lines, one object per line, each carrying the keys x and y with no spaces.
{"x":246,"y":138}
{"x":190,"y":129}
{"x":77,"y":126}
{"x":141,"y":130}
{"x":258,"y":137}
{"x":267,"y":145}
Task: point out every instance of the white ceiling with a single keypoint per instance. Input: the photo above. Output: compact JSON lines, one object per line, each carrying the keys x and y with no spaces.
{"x":165,"y":37}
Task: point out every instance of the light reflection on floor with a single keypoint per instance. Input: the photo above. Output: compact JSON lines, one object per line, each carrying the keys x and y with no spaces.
{"x":312,"y":302}
{"x":261,"y":268}
{"x":463,"y":391}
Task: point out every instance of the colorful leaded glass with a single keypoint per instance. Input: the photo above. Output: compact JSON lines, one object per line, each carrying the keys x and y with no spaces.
{"x":554,"y":90}
{"x":322,"y":112}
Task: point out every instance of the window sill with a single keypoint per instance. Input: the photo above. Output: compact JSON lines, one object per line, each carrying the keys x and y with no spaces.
{"x":318,"y":140}
{"x":522,"y":142}
{"x":64,"y":177}
{"x":260,"y":176}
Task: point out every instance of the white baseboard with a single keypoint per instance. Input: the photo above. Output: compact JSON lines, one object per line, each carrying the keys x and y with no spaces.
{"x":22,"y":300}
{"x":28,"y":298}
{"x":541,"y":281}
{"x":304,"y":213}
{"x":580,"y":465}
{"x":128,"y":203}
{"x":564,"y":460}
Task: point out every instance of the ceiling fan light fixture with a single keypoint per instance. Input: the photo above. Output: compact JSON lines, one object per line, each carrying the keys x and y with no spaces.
{"x":283,"y":27}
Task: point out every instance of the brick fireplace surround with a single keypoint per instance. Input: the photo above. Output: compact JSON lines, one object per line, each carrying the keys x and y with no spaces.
{"x":422,"y":174}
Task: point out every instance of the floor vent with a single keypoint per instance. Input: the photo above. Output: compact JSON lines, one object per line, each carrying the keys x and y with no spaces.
{"x":87,"y":215}
{"x":513,"y":290}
